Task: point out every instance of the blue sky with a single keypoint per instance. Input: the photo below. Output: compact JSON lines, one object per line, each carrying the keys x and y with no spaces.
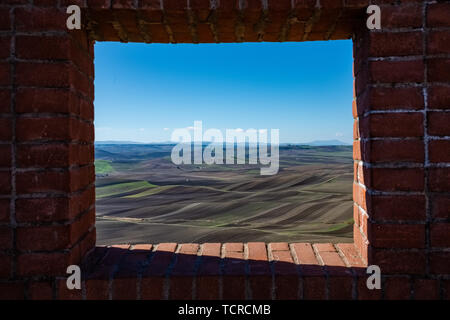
{"x":143,"y":92}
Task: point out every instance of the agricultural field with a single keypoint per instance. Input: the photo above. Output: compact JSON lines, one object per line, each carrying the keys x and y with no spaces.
{"x":142,"y":197}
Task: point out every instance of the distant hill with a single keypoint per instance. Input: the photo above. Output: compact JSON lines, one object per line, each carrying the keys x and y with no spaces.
{"x":316,"y":143}
{"x":117,"y":142}
{"x":326,"y":143}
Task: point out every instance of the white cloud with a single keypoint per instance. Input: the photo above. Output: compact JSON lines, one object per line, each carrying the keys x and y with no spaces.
{"x":166,"y":129}
{"x":339,"y":134}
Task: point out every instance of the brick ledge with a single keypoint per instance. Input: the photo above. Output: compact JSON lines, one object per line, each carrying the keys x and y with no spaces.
{"x":253,"y":270}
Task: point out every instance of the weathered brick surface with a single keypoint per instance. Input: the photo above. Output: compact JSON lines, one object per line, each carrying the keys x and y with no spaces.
{"x":401,"y":132}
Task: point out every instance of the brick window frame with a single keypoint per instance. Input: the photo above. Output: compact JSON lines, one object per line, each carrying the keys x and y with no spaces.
{"x":401,"y":160}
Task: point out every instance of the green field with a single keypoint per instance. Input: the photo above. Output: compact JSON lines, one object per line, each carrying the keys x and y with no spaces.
{"x":103,"y":167}
{"x":122,"y":188}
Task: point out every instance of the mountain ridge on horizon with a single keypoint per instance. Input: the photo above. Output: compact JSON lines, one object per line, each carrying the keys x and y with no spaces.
{"x":311,"y":143}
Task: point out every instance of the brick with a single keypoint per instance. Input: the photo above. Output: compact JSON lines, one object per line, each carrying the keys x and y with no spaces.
{"x":361,"y":243}
{"x":211,"y":256}
{"x":438,"y":123}
{"x":50,"y":238}
{"x":351,"y":254}
{"x":440,"y":206}
{"x":235,"y":247}
{"x":5,"y":43}
{"x":359,"y":196}
{"x":40,"y":290}
{"x":97,"y":289}
{"x":399,"y":262}
{"x":45,"y":155}
{"x":54,"y":263}
{"x":57,"y":155}
{"x":5,"y":265}
{"x":439,"y":179}
{"x":5,"y":129}
{"x":5,"y":182}
{"x":307,"y":258}
{"x":439,"y":151}
{"x":362,"y":80}
{"x":356,"y":214}
{"x":279,"y":5}
{"x":189,"y":248}
{"x":110,"y":261}
{"x":438,"y":15}
{"x":356,"y":134}
{"x":12,"y":291}
{"x":5,"y":74}
{"x":50,"y":3}
{"x":397,"y":71}
{"x":208,"y":274}
{"x":43,"y":47}
{"x":439,"y":97}
{"x":259,"y":273}
{"x":286,"y":275}
{"x":394,"y":151}
{"x":183,"y":271}
{"x":438,"y":70}
{"x":43,"y":74}
{"x":426,"y":289}
{"x":279,"y":246}
{"x":44,"y":129}
{"x":340,"y":288}
{"x":397,"y":288}
{"x":152,"y":276}
{"x":5,"y":155}
{"x":397,"y":236}
{"x":124,"y":288}
{"x":446,"y":289}
{"x":123,"y":4}
{"x":65,"y":293}
{"x":392,"y":179}
{"x":5,"y":19}
{"x":357,"y":150}
{"x":392,"y":125}
{"x":6,"y":238}
{"x":402,"y":16}
{"x":440,"y":235}
{"x":325,"y":247}
{"x":396,"y":98}
{"x":199,"y":4}
{"x":54,"y":181}
{"x":88,"y":242}
{"x":4,"y":210}
{"x":440,"y":262}
{"x":395,"y":44}
{"x":42,"y":209}
{"x":439,"y":42}
{"x":5,"y":101}
{"x":365,"y":293}
{"x":40,"y":19}
{"x":105,"y":4}
{"x":33,"y":100}
{"x":234,"y":272}
{"x":334,"y":264}
{"x":302,"y":4}
{"x":398,"y":208}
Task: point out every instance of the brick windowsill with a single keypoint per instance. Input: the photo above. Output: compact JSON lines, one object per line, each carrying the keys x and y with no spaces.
{"x":223,"y":271}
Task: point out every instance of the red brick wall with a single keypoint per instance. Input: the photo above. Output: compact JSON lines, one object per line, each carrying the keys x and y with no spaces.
{"x":401,"y":151}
